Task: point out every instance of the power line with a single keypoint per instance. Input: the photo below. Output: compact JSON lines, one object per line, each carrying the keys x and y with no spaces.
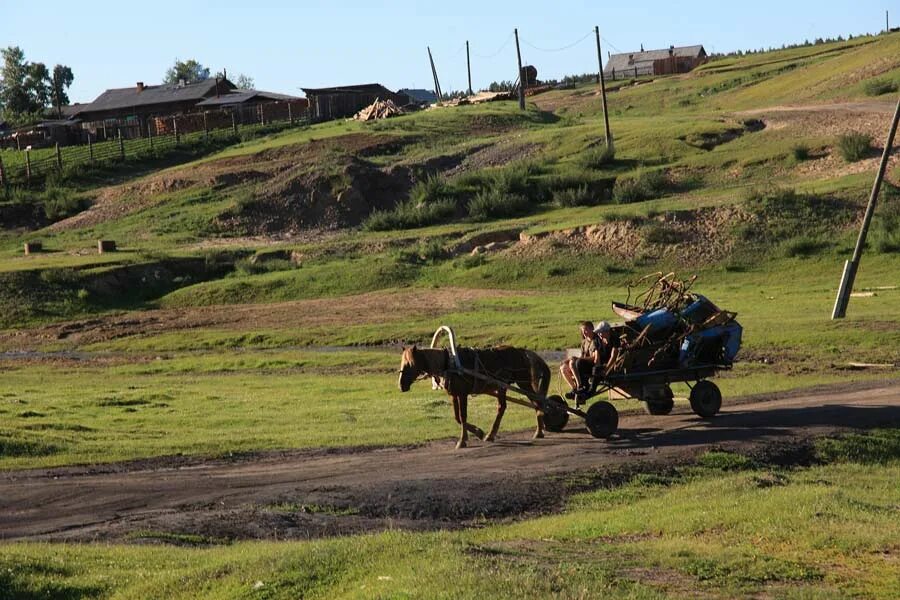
{"x":499,"y":50}
{"x":610,"y":44}
{"x":572,"y":45}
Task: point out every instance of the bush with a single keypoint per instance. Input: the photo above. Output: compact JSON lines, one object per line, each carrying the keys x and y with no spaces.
{"x":430,"y":189}
{"x":803,"y":247}
{"x":878,"y":87}
{"x":411,"y":215}
{"x":60,"y":203}
{"x":800,"y":152}
{"x":886,"y":232}
{"x":598,"y":157}
{"x":644,"y":185}
{"x":854,"y":146}
{"x":249,"y":267}
{"x":428,"y":252}
{"x":574,"y":196}
{"x":495,"y":203}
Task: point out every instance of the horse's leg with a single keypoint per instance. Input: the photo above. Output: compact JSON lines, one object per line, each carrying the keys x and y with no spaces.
{"x":501,"y":408}
{"x":539,"y":432}
{"x":462,"y":402}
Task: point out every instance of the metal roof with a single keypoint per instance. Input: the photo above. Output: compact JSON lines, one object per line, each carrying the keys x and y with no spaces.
{"x":131,"y":97}
{"x":419,"y":95}
{"x":629,"y":60}
{"x":241,"y":96}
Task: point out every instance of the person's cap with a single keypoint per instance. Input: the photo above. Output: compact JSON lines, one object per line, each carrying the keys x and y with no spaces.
{"x":603,"y":327}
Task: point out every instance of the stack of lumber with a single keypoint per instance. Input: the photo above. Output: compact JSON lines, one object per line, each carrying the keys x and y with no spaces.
{"x":380,"y":109}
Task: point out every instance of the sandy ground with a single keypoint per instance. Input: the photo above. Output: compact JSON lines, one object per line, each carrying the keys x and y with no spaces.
{"x":430,"y":486}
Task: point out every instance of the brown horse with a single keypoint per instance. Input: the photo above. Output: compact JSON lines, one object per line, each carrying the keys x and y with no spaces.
{"x":519,"y":367}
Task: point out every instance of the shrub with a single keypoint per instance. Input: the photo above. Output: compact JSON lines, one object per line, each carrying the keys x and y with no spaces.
{"x":574,"y":196}
{"x":494,"y":203}
{"x":598,"y":157}
{"x":428,"y":252}
{"x":248,"y":267}
{"x":410,"y":215}
{"x":854,"y":146}
{"x":430,"y":189}
{"x":60,"y":203}
{"x":803,"y":246}
{"x":800,"y":152}
{"x":642,"y":186}
{"x":878,"y":87}
{"x":886,"y":233}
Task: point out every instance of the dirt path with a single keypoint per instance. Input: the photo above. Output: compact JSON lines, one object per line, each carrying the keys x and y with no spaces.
{"x":315,"y":493}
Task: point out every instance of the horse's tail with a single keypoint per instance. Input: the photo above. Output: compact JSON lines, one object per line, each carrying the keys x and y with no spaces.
{"x":540,"y":374}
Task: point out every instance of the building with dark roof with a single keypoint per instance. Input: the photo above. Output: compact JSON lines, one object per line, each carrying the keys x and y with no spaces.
{"x":419,"y":96}
{"x":133,"y":106}
{"x":341,"y":102}
{"x":244,"y":97}
{"x":655,"y":62}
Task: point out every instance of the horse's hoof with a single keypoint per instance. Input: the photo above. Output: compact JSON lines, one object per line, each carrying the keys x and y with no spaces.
{"x":489,"y":438}
{"x":478,"y":433}
{"x":460,"y":445}
{"x":538,"y":435}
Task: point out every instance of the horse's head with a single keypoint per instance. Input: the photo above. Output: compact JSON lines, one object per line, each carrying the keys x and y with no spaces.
{"x":409,"y":371}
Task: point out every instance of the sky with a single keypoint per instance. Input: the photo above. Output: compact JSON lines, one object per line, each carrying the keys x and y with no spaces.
{"x":288,"y":45}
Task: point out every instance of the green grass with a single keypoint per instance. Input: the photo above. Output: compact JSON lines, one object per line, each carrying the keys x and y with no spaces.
{"x":723,"y":529}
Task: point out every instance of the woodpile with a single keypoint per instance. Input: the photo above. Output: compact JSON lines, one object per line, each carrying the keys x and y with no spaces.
{"x":482,"y":97}
{"x":380,"y":109}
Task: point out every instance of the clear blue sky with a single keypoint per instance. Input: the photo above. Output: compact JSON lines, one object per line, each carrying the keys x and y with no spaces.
{"x":286,"y":45}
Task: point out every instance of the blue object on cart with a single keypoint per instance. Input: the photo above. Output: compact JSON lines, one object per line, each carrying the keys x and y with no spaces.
{"x":717,"y":343}
{"x":658,"y":319}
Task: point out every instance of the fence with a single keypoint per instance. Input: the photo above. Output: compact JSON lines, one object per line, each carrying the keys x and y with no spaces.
{"x":161,"y":135}
{"x":630,"y":72}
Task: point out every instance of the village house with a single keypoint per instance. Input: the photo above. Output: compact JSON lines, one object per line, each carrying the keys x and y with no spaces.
{"x":655,"y":62}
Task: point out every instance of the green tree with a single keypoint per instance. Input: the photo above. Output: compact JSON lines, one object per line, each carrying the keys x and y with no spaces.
{"x":13,"y":92}
{"x":189,"y":71}
{"x":60,"y":82}
{"x":37,"y":84}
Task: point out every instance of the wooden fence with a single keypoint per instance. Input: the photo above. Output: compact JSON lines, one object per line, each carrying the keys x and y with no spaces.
{"x":163,"y":134}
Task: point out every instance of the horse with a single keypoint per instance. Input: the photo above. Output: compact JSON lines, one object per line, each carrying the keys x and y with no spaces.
{"x":517,"y":366}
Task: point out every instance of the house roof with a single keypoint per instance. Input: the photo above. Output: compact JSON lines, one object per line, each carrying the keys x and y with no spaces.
{"x":628,"y":60}
{"x":241,"y":96}
{"x":131,"y":97}
{"x":365,"y":88}
{"x":419,"y":95}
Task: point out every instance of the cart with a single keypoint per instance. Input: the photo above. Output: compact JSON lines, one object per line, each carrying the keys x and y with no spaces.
{"x":601,"y":418}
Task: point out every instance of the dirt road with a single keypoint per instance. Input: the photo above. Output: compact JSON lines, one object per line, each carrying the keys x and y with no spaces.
{"x":316,"y":493}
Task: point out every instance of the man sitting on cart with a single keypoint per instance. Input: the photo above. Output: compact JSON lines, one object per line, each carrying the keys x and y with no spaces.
{"x":599,"y":350}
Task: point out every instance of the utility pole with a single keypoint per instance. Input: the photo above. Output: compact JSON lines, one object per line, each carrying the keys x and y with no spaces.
{"x":469,"y":66}
{"x":887,"y":21}
{"x":521,"y":82}
{"x":437,"y":84}
{"x":609,"y":140}
{"x":852,"y":265}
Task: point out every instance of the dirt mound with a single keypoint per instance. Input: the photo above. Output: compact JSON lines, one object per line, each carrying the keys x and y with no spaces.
{"x":277,"y":164}
{"x":701,"y":236}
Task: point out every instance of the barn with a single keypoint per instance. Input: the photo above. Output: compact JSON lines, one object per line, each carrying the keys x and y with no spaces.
{"x":341,"y":102}
{"x":655,"y":62}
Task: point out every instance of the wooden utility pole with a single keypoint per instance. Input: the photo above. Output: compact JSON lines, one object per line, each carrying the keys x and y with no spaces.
{"x":58,"y":158}
{"x":602,"y":78}
{"x":469,"y":67}
{"x":437,"y":84}
{"x":852,"y":265}
{"x":4,"y":180}
{"x":521,"y":81}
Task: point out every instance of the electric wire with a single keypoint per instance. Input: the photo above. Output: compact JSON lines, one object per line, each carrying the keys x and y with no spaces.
{"x":572,"y":45}
{"x":499,"y":50}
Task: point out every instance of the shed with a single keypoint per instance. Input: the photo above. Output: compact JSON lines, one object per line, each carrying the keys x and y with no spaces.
{"x":419,"y":96}
{"x":340,"y":102}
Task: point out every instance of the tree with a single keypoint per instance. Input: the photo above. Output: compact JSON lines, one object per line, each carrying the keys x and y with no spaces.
{"x":13,"y":92}
{"x":37,"y":84}
{"x":189,"y":71}
{"x":244,"y":82}
{"x":60,"y":82}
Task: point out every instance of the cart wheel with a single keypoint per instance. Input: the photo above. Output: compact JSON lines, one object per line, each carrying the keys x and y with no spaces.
{"x":602,"y":419}
{"x":555,"y":415}
{"x":659,"y":406}
{"x":706,"y":399}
